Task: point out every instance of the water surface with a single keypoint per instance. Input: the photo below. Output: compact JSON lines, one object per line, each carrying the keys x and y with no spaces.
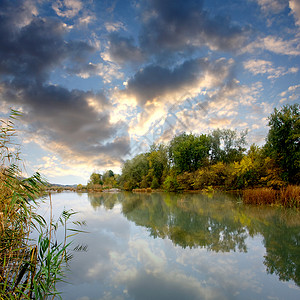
{"x":186,"y":246}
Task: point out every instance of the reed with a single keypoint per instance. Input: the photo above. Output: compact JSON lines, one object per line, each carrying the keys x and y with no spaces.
{"x":146,"y":190}
{"x":259,"y":196}
{"x":288,"y":196}
{"x":28,"y":269}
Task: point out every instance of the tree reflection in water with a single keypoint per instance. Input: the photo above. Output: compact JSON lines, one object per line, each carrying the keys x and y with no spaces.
{"x":216,"y":222}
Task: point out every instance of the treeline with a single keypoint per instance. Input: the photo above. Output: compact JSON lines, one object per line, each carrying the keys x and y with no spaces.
{"x":98,"y":181}
{"x":220,"y":160}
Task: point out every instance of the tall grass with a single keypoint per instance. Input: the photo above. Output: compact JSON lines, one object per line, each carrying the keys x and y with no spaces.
{"x":28,"y":269}
{"x":288,"y":196}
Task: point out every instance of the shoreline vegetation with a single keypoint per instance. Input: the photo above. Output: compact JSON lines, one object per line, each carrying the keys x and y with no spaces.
{"x":269,"y":174}
{"x":29,"y":268}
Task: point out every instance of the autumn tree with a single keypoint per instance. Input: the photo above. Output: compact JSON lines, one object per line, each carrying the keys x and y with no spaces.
{"x":95,"y":178}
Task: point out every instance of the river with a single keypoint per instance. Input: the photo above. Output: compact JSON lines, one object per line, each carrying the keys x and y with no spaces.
{"x":180,"y":246}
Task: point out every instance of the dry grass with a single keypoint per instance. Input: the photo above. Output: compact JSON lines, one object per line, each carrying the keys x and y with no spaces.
{"x":147,"y":190}
{"x":287,"y":196}
{"x":259,"y":196}
{"x":290,"y":196}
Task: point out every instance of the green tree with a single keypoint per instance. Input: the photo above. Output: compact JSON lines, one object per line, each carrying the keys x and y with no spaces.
{"x":158,"y":163}
{"x":283,"y":141}
{"x":226,"y":146}
{"x":95,"y":178}
{"x":189,"y":152}
{"x":134,"y":170}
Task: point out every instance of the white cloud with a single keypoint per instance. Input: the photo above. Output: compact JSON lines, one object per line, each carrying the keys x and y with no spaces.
{"x":259,"y":66}
{"x":107,"y":71}
{"x":84,"y":21}
{"x":114,"y":26}
{"x":276,"y":45}
{"x":67,"y":8}
{"x":272,"y":6}
{"x":295,"y":7}
{"x":291,"y":94}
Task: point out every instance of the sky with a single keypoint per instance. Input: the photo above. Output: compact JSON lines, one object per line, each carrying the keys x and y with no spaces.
{"x":98,"y":82}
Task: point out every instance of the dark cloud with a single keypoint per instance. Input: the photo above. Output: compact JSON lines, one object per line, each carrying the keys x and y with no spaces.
{"x":31,"y":51}
{"x":176,"y":28}
{"x":76,"y":120}
{"x":154,"y":81}
{"x":30,"y":48}
{"x":174,"y":25}
{"x":123,"y":49}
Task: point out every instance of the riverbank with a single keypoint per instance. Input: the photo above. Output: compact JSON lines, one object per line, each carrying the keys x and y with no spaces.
{"x":288,"y":196}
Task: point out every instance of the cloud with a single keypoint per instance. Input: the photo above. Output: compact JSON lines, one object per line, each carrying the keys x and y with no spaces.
{"x":76,"y":124}
{"x":32,"y":51}
{"x":291,"y":94}
{"x":67,"y":8}
{"x":114,"y":26}
{"x":176,"y":25}
{"x":160,"y":92}
{"x":272,"y":6}
{"x":173,"y":27}
{"x":295,"y":8}
{"x":154,"y":82}
{"x":17,"y":14}
{"x":259,"y":66}
{"x":276,"y":45}
{"x":108,"y":71}
{"x":122,"y":49}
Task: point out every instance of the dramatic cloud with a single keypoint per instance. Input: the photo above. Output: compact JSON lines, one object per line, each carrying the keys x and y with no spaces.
{"x":154,"y":81}
{"x":76,"y":123}
{"x":122,"y":49}
{"x":93,"y":78}
{"x":170,"y":27}
{"x":176,"y":25}
{"x":30,"y":52}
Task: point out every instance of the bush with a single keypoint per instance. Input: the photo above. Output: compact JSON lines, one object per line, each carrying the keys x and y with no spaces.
{"x":185,"y":181}
{"x":171,"y":184}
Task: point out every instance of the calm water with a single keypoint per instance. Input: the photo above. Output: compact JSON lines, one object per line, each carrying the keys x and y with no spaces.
{"x":165,"y":246}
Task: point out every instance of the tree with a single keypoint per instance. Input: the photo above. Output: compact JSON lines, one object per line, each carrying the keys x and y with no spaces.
{"x":283,"y":141}
{"x":95,"y":178}
{"x":227,"y":146}
{"x":134,"y":170}
{"x":158,"y":163}
{"x":189,"y":152}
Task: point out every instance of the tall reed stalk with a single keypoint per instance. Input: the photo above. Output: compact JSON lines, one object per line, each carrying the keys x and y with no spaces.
{"x":28,"y":269}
